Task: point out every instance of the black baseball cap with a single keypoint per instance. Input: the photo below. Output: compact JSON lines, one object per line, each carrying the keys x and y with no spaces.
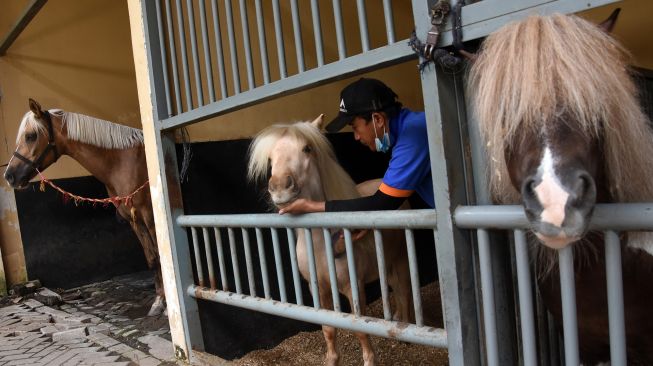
{"x":360,"y":97}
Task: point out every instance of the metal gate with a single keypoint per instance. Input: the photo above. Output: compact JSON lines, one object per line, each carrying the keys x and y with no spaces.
{"x":182,"y":79}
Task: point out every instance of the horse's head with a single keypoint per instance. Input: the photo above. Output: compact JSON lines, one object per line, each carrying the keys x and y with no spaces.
{"x":35,"y":147}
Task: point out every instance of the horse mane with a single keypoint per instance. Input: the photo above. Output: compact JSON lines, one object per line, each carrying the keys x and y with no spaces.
{"x":86,"y":129}
{"x":531,"y":72}
{"x":336,"y":183}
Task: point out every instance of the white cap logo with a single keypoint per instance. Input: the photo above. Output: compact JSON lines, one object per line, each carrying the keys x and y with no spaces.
{"x":343,"y":109}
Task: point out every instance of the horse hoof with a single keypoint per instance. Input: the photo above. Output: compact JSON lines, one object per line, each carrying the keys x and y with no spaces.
{"x":158,"y":307}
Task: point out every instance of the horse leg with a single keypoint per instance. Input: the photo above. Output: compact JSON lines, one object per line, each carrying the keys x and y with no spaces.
{"x":326,"y":302}
{"x":369,"y":358}
{"x":152,"y":258}
{"x":399,"y":281}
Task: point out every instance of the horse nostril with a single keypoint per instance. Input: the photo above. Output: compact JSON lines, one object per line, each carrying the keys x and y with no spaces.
{"x":584,"y":190}
{"x":528,"y":188}
{"x":289,"y":182}
{"x":9,"y":178}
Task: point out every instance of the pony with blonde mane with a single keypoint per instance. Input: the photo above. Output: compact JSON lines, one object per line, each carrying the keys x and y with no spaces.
{"x":113,"y":153}
{"x":303,"y":165}
{"x":564,"y":130}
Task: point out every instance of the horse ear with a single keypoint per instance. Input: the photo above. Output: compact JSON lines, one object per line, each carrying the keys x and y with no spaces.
{"x":35,"y":107}
{"x":317,"y":123}
{"x":608,"y":24}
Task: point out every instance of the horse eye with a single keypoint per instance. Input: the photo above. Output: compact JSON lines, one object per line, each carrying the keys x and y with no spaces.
{"x":30,"y":137}
{"x":307,"y":149}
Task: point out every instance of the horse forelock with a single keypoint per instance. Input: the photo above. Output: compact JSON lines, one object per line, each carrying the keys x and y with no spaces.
{"x":337,"y":184}
{"x":29,"y":122}
{"x":529,"y":73}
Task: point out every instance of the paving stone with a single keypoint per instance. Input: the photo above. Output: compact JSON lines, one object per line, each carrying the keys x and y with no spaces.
{"x":70,"y":334}
{"x":131,"y":332}
{"x":103,"y":340}
{"x":160,"y":348}
{"x":32,"y":304}
{"x":48,"y":297}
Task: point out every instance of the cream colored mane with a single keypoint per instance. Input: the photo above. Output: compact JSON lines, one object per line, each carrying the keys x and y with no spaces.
{"x":336,"y":183}
{"x":87,"y":129}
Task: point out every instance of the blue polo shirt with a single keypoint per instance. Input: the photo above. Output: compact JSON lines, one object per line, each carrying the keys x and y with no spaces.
{"x":410,"y":166}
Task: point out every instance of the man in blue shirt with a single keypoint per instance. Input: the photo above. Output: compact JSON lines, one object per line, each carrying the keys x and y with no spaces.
{"x":380,"y":123}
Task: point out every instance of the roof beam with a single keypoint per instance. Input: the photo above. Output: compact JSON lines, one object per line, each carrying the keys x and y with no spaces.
{"x":28,"y":14}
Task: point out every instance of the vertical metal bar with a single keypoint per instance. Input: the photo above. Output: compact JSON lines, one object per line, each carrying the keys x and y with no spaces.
{"x":263,"y":262}
{"x":333,"y":279}
{"x":525,"y":299}
{"x":221,"y":262}
{"x":487,"y":287}
{"x":555,"y":353}
{"x":234,"y":260}
{"x":248,"y":263}
{"x":414,"y":277}
{"x":198,"y":257}
{"x":568,"y":292}
{"x":292,"y":250}
{"x":260,"y":23}
{"x":389,"y":26}
{"x":615,"y":299}
{"x":209,"y":257}
{"x":297,"y":30}
{"x":353,"y":279}
{"x":193,"y":48}
{"x":362,"y":24}
{"x":340,"y":34}
{"x":311,"y":268}
{"x":166,"y":86}
{"x":232,"y":47}
{"x":317,"y":32}
{"x":380,"y":260}
{"x":279,"y":265}
{"x":184,"y":56}
{"x":278,"y":32}
{"x":246,"y":45}
{"x":218,"y":47}
{"x":207,"y":53}
{"x":173,"y":60}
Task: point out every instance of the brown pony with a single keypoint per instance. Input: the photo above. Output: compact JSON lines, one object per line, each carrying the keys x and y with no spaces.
{"x":114,"y":154}
{"x":564,"y":130}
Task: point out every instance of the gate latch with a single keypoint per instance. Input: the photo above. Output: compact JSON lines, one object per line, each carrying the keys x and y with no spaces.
{"x":439,"y":13}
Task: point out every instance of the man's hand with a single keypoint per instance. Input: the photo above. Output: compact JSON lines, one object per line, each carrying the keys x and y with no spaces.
{"x":302,"y":205}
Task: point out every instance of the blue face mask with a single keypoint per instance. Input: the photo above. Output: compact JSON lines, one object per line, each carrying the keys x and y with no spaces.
{"x":383,"y":144}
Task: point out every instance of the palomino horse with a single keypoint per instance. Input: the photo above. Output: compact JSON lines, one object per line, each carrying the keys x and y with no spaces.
{"x":114,"y":154}
{"x":564,"y":131}
{"x":303,"y":165}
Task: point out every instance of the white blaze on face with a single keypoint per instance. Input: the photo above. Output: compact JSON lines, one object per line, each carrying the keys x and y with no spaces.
{"x":550,"y":193}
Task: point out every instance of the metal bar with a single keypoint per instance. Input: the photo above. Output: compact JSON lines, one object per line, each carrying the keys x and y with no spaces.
{"x":311,"y":268}
{"x":414,"y":277}
{"x":362,"y":24}
{"x":568,"y":292}
{"x":408,"y":333}
{"x":615,"y":299}
{"x":218,"y":48}
{"x":207,"y":53}
{"x":374,"y":59}
{"x":263,"y":263}
{"x":340,"y":34}
{"x":193,"y":48}
{"x":279,"y":265}
{"x":246,"y":45}
{"x":173,"y":61}
{"x":28,"y":14}
{"x":166,"y":85}
{"x":487,"y":287}
{"x":297,"y":31}
{"x":333,"y":279}
{"x":380,"y":260}
{"x":353,"y":279}
{"x":184,"y":56}
{"x":292,"y":250}
{"x":389,"y":26}
{"x":234,"y":260}
{"x":198,"y":257}
{"x":613,"y":216}
{"x":317,"y":31}
{"x":525,"y":299}
{"x":260,"y":23}
{"x":411,"y":219}
{"x":248,"y":263}
{"x":278,"y":33}
{"x":209,"y":257}
{"x":233,"y":52}
{"x":221,"y":262}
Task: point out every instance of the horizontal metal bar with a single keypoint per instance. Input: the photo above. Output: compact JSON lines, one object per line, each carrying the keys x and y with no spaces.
{"x":614,"y":216}
{"x":427,"y":336}
{"x":409,"y":219}
{"x":23,"y":20}
{"x":372,"y":60}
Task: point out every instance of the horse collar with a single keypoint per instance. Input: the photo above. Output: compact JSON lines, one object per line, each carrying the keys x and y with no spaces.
{"x":51,"y":146}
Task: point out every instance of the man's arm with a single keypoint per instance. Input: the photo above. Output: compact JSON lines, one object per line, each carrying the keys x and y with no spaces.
{"x":377,"y":201}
